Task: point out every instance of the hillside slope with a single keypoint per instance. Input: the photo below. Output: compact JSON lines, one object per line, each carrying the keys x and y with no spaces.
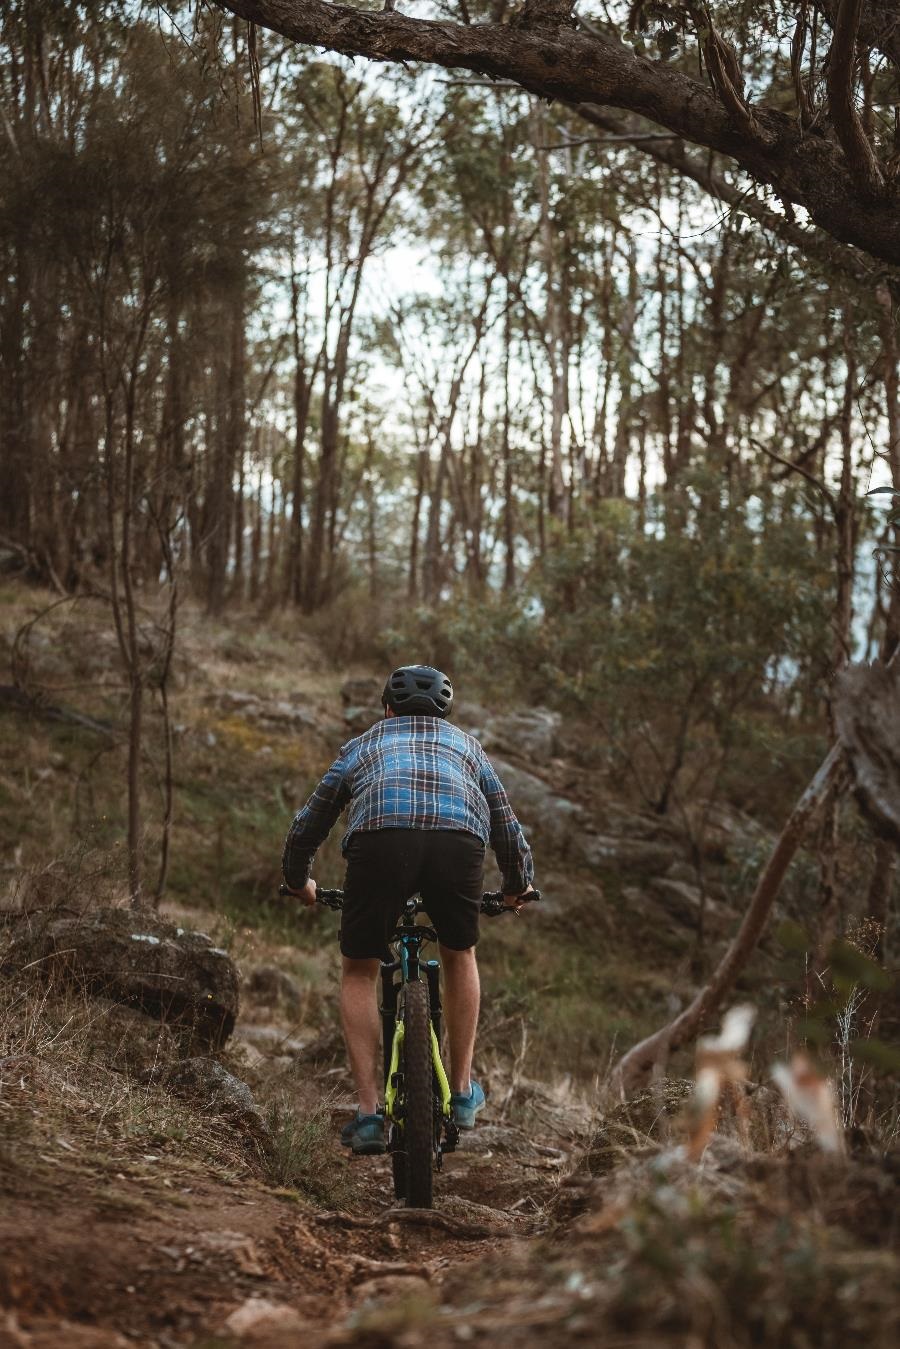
{"x":138,"y":1213}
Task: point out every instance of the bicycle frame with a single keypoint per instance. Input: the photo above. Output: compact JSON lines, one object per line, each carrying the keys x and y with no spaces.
{"x":407,"y":944}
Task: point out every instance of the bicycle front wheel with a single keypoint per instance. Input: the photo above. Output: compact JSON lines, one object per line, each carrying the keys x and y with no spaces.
{"x":418,"y":1117}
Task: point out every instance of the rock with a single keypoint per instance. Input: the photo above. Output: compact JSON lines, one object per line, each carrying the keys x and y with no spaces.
{"x":633,"y":1124}
{"x":470,"y":717}
{"x":259,"y":1316}
{"x":359,"y":719}
{"x":269,"y":1040}
{"x":216,"y":1091}
{"x":325,"y":1050}
{"x":235,"y":700}
{"x":271,"y":985}
{"x":135,"y":957}
{"x":290,"y":714}
{"x":554,"y":819}
{"x":607,"y":851}
{"x":124,"y":1038}
{"x":618,"y":819}
{"x":684,"y":901}
{"x":239,"y":1248}
{"x":295,"y":712}
{"x":531,"y":734}
{"x":362,"y":692}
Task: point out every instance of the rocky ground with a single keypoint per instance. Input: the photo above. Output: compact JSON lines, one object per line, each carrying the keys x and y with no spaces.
{"x":172,"y":1085}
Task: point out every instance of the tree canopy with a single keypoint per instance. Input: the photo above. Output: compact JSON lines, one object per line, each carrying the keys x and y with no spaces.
{"x":800,"y":96}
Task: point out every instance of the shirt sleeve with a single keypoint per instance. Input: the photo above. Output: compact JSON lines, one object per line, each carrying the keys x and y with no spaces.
{"x":507,"y":838}
{"x":313,"y":824}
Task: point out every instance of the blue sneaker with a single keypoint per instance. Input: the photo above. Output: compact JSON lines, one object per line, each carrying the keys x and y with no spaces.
{"x":466,"y":1105}
{"x":364,"y":1134}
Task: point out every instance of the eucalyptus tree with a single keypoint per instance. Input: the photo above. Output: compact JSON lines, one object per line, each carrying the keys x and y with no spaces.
{"x":799,"y":98}
{"x":363,"y":150}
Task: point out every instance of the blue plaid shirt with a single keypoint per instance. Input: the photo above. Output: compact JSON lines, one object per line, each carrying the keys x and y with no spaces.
{"x":411,"y":773}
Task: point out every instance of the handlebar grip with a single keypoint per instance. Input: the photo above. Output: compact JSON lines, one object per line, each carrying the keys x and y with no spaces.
{"x":331,"y":899}
{"x":492,"y":903}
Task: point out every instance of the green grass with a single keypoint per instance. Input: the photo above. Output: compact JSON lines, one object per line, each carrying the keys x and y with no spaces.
{"x":300,"y":1156}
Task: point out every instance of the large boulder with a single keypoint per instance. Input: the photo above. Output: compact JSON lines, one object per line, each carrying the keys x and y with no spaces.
{"x":134,"y":957}
{"x":555,"y":820}
{"x":531,"y":734}
{"x":611,"y":852}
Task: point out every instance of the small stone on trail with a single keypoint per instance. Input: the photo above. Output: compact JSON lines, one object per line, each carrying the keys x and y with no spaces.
{"x":258,"y":1316}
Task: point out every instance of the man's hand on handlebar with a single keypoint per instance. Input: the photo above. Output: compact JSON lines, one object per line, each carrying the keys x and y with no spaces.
{"x":307,"y":895}
{"x":516,"y":901}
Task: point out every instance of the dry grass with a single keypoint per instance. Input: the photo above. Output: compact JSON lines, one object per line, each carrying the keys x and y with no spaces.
{"x":73,"y":1099}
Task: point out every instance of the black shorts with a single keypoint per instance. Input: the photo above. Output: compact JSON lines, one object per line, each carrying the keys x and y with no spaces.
{"x":386,"y":866}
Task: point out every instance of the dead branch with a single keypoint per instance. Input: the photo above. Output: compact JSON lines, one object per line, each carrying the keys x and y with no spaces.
{"x":639,"y":1062}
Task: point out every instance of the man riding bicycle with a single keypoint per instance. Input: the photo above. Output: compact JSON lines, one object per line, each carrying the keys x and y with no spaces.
{"x":424,"y":802}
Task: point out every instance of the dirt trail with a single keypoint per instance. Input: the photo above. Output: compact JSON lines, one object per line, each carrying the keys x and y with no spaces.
{"x":135,"y":1260}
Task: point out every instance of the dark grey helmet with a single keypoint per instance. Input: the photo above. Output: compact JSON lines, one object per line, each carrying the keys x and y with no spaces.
{"x":418,"y":691}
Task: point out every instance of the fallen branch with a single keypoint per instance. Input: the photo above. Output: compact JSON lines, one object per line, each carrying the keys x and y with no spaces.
{"x":19,"y":700}
{"x":635,"y":1066}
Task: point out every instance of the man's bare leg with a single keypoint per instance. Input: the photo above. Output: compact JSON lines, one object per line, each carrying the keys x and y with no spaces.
{"x":362,"y":1026}
{"x":462,"y":996}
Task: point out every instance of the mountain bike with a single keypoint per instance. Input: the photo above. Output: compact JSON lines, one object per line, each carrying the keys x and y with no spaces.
{"x":417,"y":1097}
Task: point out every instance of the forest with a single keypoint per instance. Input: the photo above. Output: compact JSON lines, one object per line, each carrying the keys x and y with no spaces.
{"x":555,"y":347}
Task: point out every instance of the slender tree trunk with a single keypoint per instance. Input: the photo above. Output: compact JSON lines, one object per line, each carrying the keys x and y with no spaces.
{"x":302,"y":397}
{"x":830,"y":896}
{"x":509,"y":501}
{"x":554,"y":321}
{"x":885,"y":865}
{"x":422,"y":486}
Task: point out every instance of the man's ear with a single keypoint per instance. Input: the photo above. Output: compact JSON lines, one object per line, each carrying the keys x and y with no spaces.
{"x":389,"y":712}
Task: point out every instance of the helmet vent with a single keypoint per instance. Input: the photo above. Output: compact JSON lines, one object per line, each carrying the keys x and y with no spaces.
{"x":418,"y":690}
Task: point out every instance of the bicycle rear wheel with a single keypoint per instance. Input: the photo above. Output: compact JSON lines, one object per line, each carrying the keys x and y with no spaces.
{"x":418,"y":1116}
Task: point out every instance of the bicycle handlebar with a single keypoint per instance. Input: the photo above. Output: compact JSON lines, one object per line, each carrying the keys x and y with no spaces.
{"x":492,"y":905}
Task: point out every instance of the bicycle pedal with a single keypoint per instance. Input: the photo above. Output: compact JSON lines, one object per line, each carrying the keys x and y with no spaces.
{"x":451,"y":1137}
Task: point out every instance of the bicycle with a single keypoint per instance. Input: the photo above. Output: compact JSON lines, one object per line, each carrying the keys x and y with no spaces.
{"x":417,"y":1105}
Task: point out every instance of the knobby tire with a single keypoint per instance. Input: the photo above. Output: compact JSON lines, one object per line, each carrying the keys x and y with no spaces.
{"x":398,"y":1164}
{"x":418,"y":1120}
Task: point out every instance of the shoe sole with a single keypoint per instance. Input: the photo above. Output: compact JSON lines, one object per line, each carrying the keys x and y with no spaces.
{"x":467,"y":1124}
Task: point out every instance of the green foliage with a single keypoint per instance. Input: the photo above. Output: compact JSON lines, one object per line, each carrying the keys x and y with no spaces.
{"x":677,"y":638}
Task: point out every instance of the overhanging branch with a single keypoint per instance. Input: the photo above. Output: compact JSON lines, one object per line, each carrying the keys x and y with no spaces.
{"x":673,"y":154}
{"x":574,"y":66}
